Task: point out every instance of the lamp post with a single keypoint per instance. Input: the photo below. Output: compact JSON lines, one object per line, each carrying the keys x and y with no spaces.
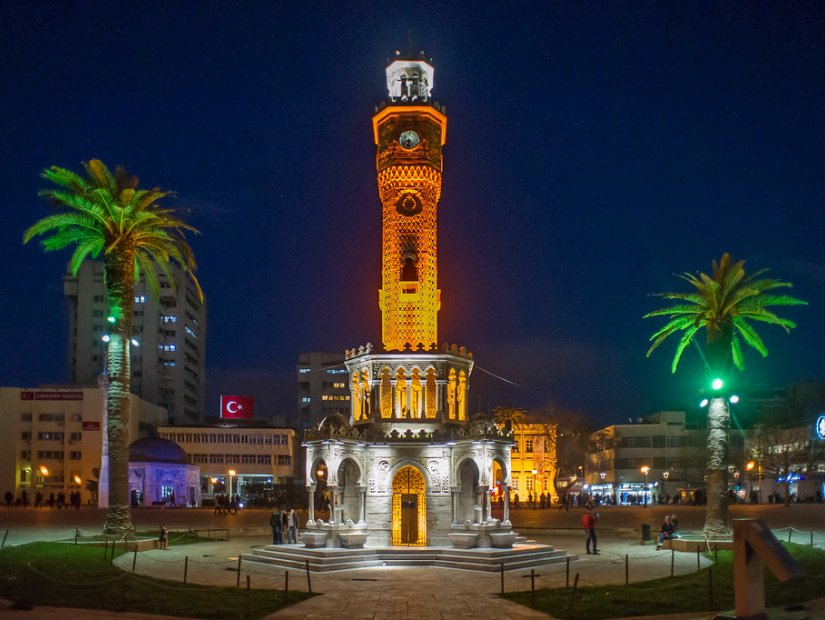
{"x":645,"y":470}
{"x":231,"y":473}
{"x":748,"y":469}
{"x":665,"y":475}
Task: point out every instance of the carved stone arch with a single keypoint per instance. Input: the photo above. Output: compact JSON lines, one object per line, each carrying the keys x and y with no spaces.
{"x":501,"y":461}
{"x":413,"y":463}
{"x":351,"y":461}
{"x":454,"y":473}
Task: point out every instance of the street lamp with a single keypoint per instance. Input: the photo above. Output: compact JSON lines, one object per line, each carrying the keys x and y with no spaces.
{"x":645,"y":470}
{"x":231,"y":473}
{"x":665,"y":475}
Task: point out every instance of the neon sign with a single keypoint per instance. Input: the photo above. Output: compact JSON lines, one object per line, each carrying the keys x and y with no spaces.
{"x":819,"y":429}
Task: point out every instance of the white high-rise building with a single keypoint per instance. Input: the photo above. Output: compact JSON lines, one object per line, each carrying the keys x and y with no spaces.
{"x":168,"y":365}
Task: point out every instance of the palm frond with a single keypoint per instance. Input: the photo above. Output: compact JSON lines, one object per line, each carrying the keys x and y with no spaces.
{"x":685,"y":340}
{"x":749,"y":335}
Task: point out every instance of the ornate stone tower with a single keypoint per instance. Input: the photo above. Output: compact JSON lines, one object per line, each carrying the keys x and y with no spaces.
{"x":409,"y":130}
{"x":406,"y":467}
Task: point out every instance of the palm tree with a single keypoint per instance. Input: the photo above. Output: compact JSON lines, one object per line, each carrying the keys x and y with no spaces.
{"x":105,"y":213}
{"x":723,"y":304}
{"x":512,"y":419}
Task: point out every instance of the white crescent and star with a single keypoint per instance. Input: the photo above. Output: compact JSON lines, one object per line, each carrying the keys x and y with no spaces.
{"x":233,"y":406}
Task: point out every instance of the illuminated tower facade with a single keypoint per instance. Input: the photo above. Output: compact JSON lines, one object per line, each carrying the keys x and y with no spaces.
{"x":409,"y":131}
{"x":407,"y":466}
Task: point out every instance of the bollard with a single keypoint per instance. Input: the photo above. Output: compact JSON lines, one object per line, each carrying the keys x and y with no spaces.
{"x":76,"y":534}
{"x":672,"y":561}
{"x":134,"y":560}
{"x":309,"y":582}
{"x":248,"y":594}
{"x":238,"y":583}
{"x":185,"y":568}
{"x":698,"y":565}
{"x":567,"y":574}
{"x":6,"y":535}
{"x":790,"y":531}
{"x":626,"y":570}
{"x":286,"y":586}
{"x":532,"y":588}
{"x":812,"y":538}
{"x":573,"y":593}
{"x":502,"y":578}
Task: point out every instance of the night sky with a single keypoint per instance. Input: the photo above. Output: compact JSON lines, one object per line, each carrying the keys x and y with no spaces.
{"x":593,"y":151}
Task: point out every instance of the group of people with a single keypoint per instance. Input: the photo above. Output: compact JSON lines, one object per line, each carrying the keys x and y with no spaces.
{"x":669,"y":528}
{"x":284,"y":521}
{"x":54,"y":501}
{"x":225,"y":504}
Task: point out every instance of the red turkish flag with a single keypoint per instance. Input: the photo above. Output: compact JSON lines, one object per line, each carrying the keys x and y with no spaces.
{"x":237,"y":406}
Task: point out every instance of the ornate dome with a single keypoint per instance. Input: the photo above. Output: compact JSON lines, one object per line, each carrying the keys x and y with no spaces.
{"x":156,"y":450}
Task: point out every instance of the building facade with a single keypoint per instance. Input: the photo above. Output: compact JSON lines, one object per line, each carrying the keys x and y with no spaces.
{"x":404,"y":466}
{"x":234,"y":455}
{"x":323,"y":387}
{"x":656,"y":458}
{"x":168,"y":366}
{"x":534,"y":462}
{"x":53,"y":438}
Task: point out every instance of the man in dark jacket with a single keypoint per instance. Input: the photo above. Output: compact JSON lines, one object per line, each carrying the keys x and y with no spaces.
{"x":276,"y":521}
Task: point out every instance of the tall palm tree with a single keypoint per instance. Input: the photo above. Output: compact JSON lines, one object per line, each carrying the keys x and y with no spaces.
{"x":104,"y":213}
{"x":512,"y":418}
{"x":723,"y":304}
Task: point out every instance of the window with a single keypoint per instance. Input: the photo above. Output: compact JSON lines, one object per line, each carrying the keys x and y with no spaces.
{"x":284,"y":440}
{"x":336,"y":371}
{"x":191,"y":332}
{"x":529,"y":483}
{"x":139,"y":299}
{"x":25,"y":455}
{"x":25,"y":436}
{"x":75,"y":417}
{"x":24,"y":476}
{"x":200,"y":458}
{"x":303,"y":370}
{"x":264,"y":459}
{"x":167,"y":347}
{"x":75,"y":456}
{"x":339,"y":385}
{"x":48,"y":436}
{"x":528,"y":445}
{"x":284,"y":459}
{"x":98,"y":299}
{"x":25,"y":417}
{"x":216,"y":458}
{"x":305,"y":399}
{"x":248,"y":459}
{"x":514,"y":483}
{"x":74,"y":436}
{"x":168,"y":318}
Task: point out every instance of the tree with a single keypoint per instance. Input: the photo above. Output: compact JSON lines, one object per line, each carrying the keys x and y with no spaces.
{"x":105,"y":213}
{"x":566,"y":436}
{"x":723,"y":304}
{"x":784,"y":453}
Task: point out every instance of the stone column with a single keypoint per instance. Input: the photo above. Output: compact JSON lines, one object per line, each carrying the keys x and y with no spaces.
{"x":311,"y":503}
{"x":505,"y":488}
{"x":332,"y":488}
{"x":362,"y":503}
{"x":454,"y":491}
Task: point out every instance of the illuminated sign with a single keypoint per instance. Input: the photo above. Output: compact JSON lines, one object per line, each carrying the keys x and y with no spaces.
{"x":40,"y":395}
{"x":237,"y":407}
{"x":819,"y":429}
{"x":91,"y":426}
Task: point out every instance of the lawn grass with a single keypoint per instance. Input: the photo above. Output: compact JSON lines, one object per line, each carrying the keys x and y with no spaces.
{"x":679,"y":594}
{"x":60,"y":575}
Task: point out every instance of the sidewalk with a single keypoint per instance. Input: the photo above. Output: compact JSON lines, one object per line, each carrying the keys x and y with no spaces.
{"x":390,"y":593}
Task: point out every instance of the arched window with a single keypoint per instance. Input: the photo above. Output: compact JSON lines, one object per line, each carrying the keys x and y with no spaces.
{"x":409,"y":272}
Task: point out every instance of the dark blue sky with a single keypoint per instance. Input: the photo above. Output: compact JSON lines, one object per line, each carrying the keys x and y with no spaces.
{"x":593,"y":150}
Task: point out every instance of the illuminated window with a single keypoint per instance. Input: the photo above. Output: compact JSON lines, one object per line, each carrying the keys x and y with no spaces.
{"x":528,"y":447}
{"x":303,"y":370}
{"x":139,"y":299}
{"x":284,"y":459}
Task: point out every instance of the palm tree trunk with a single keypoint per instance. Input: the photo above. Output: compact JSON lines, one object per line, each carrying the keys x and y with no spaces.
{"x":120,"y":290}
{"x":716,"y":517}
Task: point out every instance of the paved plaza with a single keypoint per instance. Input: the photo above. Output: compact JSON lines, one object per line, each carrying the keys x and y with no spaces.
{"x":401,"y":592}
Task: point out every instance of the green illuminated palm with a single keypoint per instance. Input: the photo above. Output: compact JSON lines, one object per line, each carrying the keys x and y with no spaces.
{"x":723,"y":304}
{"x":105,"y":213}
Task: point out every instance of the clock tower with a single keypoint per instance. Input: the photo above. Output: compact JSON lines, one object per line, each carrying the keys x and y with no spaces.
{"x":409,"y":130}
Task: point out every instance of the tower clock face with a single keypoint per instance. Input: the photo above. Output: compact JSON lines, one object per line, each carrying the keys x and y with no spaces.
{"x":409,"y":139}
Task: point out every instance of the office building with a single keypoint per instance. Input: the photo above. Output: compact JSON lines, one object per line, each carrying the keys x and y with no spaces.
{"x":168,"y":365}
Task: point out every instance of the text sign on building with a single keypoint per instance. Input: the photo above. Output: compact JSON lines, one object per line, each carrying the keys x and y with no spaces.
{"x":237,"y":407}
{"x":91,"y":426}
{"x":40,"y":395}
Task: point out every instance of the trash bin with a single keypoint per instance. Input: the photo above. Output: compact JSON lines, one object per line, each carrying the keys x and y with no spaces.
{"x":645,"y":532}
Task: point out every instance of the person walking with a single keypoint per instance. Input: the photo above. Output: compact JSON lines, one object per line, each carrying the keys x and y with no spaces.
{"x":589,"y":524}
{"x":276,"y":520}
